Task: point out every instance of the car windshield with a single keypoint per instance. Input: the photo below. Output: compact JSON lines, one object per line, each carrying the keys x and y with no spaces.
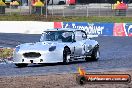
{"x":63,"y":36}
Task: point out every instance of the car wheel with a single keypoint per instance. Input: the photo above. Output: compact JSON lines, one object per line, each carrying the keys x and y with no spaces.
{"x":21,"y":65}
{"x":96,"y":55}
{"x":66,"y":53}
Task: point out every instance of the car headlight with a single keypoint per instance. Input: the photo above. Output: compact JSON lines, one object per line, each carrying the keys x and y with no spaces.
{"x":52,"y":48}
{"x":17,"y":48}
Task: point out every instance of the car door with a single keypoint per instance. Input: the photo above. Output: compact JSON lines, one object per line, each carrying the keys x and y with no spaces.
{"x":79,"y":45}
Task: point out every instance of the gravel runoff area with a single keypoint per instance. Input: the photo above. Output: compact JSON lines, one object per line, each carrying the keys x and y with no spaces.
{"x":56,"y":81}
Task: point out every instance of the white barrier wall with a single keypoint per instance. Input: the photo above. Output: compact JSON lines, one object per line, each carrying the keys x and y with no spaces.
{"x":92,"y":29}
{"x":24,"y":27}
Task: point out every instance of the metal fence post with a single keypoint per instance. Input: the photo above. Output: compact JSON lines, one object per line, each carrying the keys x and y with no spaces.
{"x":75,"y":10}
{"x":46,"y":8}
{"x":112,"y":10}
{"x":30,"y":7}
{"x":41,"y":10}
{"x":63,"y":11}
{"x":99,"y":9}
{"x":108,"y":11}
{"x":10,"y":9}
{"x":87,"y":10}
{"x":52,"y":10}
{"x":20,"y":9}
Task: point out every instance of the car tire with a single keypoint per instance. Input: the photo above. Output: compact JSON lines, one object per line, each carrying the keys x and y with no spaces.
{"x":66,"y":53}
{"x":94,"y":57}
{"x":21,"y":65}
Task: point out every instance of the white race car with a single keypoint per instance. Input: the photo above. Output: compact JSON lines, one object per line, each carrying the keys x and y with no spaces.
{"x":57,"y":45}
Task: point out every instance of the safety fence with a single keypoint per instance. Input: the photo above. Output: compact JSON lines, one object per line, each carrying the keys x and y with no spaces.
{"x":69,"y":10}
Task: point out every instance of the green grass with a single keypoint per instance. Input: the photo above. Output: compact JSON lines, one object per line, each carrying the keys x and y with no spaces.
{"x":16,"y":17}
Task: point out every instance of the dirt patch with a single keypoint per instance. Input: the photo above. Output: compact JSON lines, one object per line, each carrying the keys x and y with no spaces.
{"x":55,"y":81}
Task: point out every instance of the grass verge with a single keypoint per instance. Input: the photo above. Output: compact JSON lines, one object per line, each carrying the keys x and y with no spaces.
{"x":6,"y":53}
{"x":16,"y":17}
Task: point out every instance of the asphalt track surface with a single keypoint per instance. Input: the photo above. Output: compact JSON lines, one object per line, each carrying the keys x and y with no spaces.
{"x":116,"y":55}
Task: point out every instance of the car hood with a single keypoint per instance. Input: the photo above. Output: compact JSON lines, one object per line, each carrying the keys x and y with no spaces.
{"x":39,"y":46}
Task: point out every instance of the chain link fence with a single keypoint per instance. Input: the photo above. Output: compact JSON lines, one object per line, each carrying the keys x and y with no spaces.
{"x":71,"y":10}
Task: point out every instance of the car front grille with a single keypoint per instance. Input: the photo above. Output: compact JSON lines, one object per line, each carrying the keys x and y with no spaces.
{"x":32,"y":55}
